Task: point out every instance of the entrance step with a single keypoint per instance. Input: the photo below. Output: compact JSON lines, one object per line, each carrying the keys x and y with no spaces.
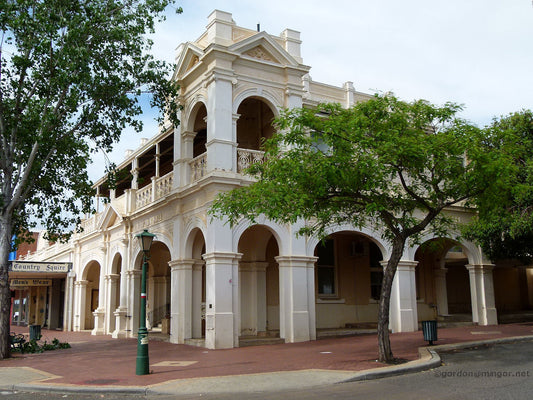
{"x":515,"y":317}
{"x":342,"y":332}
{"x":200,"y":342}
{"x":245,"y":341}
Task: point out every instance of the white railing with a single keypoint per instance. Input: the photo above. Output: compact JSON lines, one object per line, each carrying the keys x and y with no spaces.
{"x":143,"y":196}
{"x":198,"y":167}
{"x":159,"y":188}
{"x":89,"y":225}
{"x":163,"y":185}
{"x":246,"y":157}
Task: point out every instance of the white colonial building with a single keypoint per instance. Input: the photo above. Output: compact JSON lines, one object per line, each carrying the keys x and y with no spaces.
{"x":213,"y":284}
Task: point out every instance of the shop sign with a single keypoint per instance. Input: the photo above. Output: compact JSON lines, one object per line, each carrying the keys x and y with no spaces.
{"x":48,"y":267}
{"x":19,"y":283}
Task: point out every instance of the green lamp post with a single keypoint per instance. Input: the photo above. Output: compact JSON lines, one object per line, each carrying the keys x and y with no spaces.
{"x":143,"y":364}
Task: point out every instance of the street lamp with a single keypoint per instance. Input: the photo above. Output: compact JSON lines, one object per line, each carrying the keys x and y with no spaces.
{"x":143,"y":364}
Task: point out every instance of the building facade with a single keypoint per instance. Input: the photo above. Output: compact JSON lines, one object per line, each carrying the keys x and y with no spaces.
{"x":212,"y":284}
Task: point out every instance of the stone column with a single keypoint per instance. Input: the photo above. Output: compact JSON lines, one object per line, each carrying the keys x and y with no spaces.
{"x":100,"y":313}
{"x":198,"y":307}
{"x":222,"y":300}
{"x":252,"y":283}
{"x":403,"y":309}
{"x":80,"y":301}
{"x":220,"y":144}
{"x":99,"y":322}
{"x":181,"y":300}
{"x":111,"y":281}
{"x":441,"y":291}
{"x":297,"y":298}
{"x":133,"y":278}
{"x":157,"y":160}
{"x":122,"y":309}
{"x":482,"y":294}
{"x":68,"y":310}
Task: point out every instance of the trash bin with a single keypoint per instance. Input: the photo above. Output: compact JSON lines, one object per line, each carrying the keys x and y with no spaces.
{"x":429,"y":328}
{"x":35,"y":332}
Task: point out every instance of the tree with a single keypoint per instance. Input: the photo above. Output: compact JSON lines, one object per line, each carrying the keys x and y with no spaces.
{"x":384,"y":163}
{"x":504,"y":224}
{"x":71,"y":74}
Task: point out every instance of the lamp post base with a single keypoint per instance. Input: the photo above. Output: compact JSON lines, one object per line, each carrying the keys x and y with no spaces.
{"x":142,"y":366}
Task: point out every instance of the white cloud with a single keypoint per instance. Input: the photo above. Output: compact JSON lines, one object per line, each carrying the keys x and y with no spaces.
{"x":477,"y":52}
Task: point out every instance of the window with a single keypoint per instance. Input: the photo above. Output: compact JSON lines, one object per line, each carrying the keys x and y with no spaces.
{"x":326,"y":269}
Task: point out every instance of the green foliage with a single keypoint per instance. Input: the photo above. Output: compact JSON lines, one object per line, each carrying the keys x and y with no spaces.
{"x":385,"y":163}
{"x":70,"y":78}
{"x":33,"y":346}
{"x":504,"y":226}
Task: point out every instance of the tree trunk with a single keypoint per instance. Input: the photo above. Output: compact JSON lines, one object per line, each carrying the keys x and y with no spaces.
{"x":385,"y":351}
{"x":5,"y":292}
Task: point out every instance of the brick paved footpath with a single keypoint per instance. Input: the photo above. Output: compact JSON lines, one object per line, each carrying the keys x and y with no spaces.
{"x":101,"y":360}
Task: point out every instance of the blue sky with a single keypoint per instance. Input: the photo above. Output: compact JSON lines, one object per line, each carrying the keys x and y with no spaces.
{"x":476,"y":52}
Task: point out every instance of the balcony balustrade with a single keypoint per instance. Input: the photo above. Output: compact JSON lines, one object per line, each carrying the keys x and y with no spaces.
{"x":198,"y":167}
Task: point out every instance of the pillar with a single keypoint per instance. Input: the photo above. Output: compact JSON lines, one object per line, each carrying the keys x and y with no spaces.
{"x":68,"y":313}
{"x":482,"y":294}
{"x":133,"y":278}
{"x":441,"y":290}
{"x":181,"y":300}
{"x":222,"y":300}
{"x":121,"y":312}
{"x":403,"y":316}
{"x":80,"y":288}
{"x":252,"y":283}
{"x":198,"y":305}
{"x":297,"y":298}
{"x":111,"y":282}
{"x":220,"y":144}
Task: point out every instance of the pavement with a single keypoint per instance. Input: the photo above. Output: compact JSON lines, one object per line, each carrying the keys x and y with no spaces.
{"x":100,"y":364}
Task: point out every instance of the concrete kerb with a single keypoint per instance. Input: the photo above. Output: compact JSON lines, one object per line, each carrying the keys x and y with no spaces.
{"x":428,"y":359}
{"x":52,"y":388}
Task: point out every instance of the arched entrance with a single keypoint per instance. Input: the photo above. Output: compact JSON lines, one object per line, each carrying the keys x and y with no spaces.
{"x":513,"y":305}
{"x":198,"y":285}
{"x":253,"y":127}
{"x":443,"y":281}
{"x":158,"y":286}
{"x":90,"y":299}
{"x":259,"y":283}
{"x":348,"y":277}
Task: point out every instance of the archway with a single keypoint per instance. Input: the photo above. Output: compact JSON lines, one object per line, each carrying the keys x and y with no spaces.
{"x":514,"y":305}
{"x":158,"y":286}
{"x":253,"y":127}
{"x":254,"y":123}
{"x":443,"y":281}
{"x":200,"y":128}
{"x":348,"y":277}
{"x":259,"y":283}
{"x":91,"y":278}
{"x":198,"y":285}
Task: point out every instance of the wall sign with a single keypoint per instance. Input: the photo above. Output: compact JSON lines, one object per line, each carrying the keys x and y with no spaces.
{"x":35,"y":266}
{"x":19,"y":283}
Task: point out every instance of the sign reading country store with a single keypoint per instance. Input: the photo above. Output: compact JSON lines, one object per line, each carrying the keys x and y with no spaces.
{"x":40,"y":267}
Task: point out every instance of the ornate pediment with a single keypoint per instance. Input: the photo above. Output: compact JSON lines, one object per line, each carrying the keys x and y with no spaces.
{"x":262,"y":46}
{"x":260,"y":53}
{"x":110,"y":217}
{"x":187,"y":60}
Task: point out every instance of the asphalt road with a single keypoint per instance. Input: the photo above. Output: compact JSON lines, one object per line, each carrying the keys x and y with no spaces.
{"x":496,"y":372}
